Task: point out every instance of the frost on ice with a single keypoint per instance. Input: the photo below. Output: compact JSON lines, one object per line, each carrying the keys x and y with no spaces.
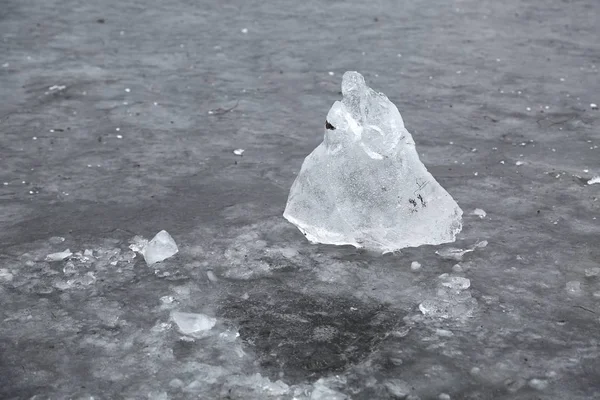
{"x":364,"y":185}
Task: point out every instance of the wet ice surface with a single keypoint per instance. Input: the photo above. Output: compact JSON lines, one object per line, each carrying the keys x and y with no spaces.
{"x":293,"y":319}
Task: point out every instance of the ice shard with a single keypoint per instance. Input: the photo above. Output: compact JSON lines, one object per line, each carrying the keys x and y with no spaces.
{"x":364,"y":185}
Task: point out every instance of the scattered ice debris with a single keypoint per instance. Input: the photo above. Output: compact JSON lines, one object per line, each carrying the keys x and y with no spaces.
{"x":593,"y":106}
{"x":452,"y":299}
{"x":59,"y":256}
{"x":479,"y":212}
{"x":415,"y":266}
{"x":238,"y":152}
{"x":365,"y":139}
{"x":590,"y":272}
{"x":190,"y":323}
{"x":161,"y":247}
{"x":595,"y":179}
{"x":452,"y":253}
{"x":57,"y":88}
{"x":573,"y":287}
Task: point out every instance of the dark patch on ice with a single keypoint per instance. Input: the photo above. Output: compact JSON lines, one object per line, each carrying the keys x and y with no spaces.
{"x":305,"y":336}
{"x":329,"y":126}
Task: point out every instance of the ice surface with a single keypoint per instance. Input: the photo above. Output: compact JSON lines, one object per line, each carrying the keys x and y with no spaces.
{"x":161,"y":247}
{"x":190,"y":323}
{"x":59,"y":256}
{"x":364,"y":185}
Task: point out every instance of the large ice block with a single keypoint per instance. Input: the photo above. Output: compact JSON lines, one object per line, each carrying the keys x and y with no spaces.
{"x":364,"y":185}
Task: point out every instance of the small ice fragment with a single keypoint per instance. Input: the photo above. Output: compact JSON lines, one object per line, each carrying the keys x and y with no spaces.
{"x":59,"y":256}
{"x":528,"y":108}
{"x":455,"y":282}
{"x":538,"y":384}
{"x":595,"y":179}
{"x":590,"y":272}
{"x":5,"y":65}
{"x":238,"y":152}
{"x":593,"y":106}
{"x":161,"y":247}
{"x":502,"y":162}
{"x":452,"y":253}
{"x":457,"y":268}
{"x":211,"y":276}
{"x":57,"y":87}
{"x":574,"y":287}
{"x":190,"y":323}
{"x":331,"y":73}
{"x":245,"y":30}
{"x":127,"y":90}
{"x":519,"y":163}
{"x":444,"y":396}
{"x":479,"y":212}
{"x":415,"y":265}
{"x":88,"y":253}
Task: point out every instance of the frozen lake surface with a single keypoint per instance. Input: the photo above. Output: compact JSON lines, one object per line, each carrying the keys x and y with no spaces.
{"x":121,"y":118}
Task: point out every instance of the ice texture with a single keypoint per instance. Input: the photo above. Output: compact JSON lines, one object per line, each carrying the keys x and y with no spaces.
{"x":161,"y":247}
{"x":364,"y":185}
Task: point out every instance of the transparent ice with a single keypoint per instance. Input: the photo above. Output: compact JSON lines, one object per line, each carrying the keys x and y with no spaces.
{"x":161,"y":247}
{"x":364,"y":185}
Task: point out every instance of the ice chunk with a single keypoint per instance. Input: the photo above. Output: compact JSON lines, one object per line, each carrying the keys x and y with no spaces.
{"x":59,"y":256}
{"x":190,"y":323}
{"x":415,"y":265}
{"x":365,"y":185}
{"x":479,"y":212}
{"x":161,"y":247}
{"x":595,"y":179}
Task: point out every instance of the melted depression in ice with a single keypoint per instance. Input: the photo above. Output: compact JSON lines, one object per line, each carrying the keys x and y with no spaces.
{"x":364,"y":185}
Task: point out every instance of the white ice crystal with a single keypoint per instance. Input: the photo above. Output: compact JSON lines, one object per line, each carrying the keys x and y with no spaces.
{"x":365,"y":185}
